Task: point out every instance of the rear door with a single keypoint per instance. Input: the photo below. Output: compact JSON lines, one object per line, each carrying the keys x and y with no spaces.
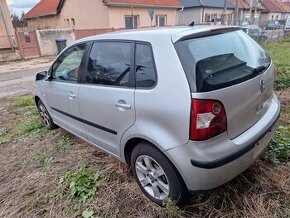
{"x":232,"y":68}
{"x":62,"y":90}
{"x":106,"y":96}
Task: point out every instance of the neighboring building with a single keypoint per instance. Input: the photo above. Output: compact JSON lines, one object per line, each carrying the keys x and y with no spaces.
{"x":7,"y":36}
{"x":102,"y":14}
{"x":248,"y":12}
{"x":275,"y":10}
{"x":205,"y":11}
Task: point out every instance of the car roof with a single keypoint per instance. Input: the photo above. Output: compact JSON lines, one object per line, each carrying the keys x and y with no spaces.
{"x":152,"y":34}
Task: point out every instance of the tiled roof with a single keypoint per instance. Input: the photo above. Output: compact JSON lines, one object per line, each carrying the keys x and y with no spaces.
{"x":205,"y":3}
{"x":165,"y":3}
{"x":272,"y":6}
{"x":44,"y":8}
{"x":242,"y":4}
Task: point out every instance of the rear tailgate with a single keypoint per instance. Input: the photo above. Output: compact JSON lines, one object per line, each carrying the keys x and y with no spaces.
{"x":234,"y":69}
{"x":244,"y":103}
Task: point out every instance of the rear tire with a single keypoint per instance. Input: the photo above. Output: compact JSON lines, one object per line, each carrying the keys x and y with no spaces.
{"x":45,"y":116}
{"x":156,"y":175}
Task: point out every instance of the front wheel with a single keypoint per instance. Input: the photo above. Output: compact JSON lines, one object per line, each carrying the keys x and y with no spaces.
{"x":45,"y":116}
{"x":156,"y":176}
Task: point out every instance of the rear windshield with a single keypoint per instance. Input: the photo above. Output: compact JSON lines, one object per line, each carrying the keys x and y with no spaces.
{"x":223,"y":60}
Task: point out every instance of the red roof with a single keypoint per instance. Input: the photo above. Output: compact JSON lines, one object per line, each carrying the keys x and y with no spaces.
{"x":165,"y":3}
{"x":52,"y":7}
{"x":242,"y":4}
{"x":272,"y":6}
{"x":43,"y":8}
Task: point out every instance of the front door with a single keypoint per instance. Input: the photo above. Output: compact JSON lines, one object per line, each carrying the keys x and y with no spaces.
{"x":62,"y":90}
{"x":106,"y":97}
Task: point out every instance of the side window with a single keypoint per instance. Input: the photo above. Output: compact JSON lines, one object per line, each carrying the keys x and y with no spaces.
{"x":110,"y":64}
{"x":66,"y":68}
{"x":145,"y":70}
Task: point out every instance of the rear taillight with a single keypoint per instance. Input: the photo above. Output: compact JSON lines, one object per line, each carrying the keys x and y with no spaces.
{"x":208,"y":119}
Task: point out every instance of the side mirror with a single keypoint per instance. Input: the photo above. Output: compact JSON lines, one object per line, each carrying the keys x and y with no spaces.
{"x":41,"y":75}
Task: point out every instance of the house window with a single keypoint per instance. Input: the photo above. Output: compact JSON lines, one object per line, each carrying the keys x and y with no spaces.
{"x":210,"y":18}
{"x":161,"y":20}
{"x":277,"y":17}
{"x":272,"y":17}
{"x":73,"y":21}
{"x":131,"y":22}
{"x":67,"y":22}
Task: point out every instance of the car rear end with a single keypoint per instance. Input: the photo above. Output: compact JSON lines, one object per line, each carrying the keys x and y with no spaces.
{"x":234,"y":110}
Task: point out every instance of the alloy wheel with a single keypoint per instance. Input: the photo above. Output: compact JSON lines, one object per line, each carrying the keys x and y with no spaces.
{"x":44,"y":115}
{"x":152,"y":177}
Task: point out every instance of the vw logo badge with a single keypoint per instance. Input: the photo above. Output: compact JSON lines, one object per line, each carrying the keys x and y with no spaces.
{"x":262,"y":85}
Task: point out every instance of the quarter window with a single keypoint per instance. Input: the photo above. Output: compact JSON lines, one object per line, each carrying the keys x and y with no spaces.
{"x":109,"y":64}
{"x":66,"y":68}
{"x":145,"y":70}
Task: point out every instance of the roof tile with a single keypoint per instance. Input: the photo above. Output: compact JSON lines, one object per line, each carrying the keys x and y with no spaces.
{"x":43,"y":8}
{"x":168,"y":3}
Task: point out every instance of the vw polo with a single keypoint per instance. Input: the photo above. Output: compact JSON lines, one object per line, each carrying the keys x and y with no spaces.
{"x":188,"y":108}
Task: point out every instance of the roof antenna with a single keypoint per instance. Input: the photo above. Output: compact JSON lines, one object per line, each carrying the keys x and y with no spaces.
{"x":192,"y":23}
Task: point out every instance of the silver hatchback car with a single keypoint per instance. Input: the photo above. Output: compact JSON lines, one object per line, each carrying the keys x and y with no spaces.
{"x":188,"y":108}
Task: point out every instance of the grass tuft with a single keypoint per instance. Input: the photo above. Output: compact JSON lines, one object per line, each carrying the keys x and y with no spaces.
{"x":23,"y":101}
{"x":64,"y":144}
{"x":279,"y":53}
{"x":279,"y":147}
{"x":33,"y":126}
{"x":45,"y":160}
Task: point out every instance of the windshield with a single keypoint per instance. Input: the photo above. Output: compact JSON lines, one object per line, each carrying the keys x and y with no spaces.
{"x":221,"y":60}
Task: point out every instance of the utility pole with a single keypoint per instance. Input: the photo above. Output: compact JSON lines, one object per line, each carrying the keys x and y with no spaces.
{"x":132,"y":14}
{"x":237,"y":13}
{"x":225,"y":12}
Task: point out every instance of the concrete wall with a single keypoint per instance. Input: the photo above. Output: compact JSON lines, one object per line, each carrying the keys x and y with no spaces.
{"x":46,"y":39}
{"x":6,"y":31}
{"x":117,"y":16}
{"x":186,"y":16}
{"x":40,"y":23}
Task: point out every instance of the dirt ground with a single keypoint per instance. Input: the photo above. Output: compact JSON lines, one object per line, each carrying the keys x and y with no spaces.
{"x":31,"y":164}
{"x":42,"y":62}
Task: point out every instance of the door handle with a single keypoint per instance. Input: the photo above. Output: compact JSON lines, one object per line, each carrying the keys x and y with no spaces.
{"x":122,"y":104}
{"x":71,"y":96}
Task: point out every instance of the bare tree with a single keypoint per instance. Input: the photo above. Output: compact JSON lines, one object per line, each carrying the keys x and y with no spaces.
{"x":18,"y":21}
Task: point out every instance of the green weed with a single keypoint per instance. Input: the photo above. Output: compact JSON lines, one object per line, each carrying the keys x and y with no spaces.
{"x":83,"y":183}
{"x":64,"y":144}
{"x":45,"y":160}
{"x":3,"y":131}
{"x":88,"y":213}
{"x":171,"y":209}
{"x":35,"y":126}
{"x":279,"y":147}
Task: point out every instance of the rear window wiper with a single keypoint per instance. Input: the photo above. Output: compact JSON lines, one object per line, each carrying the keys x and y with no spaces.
{"x":259,"y":70}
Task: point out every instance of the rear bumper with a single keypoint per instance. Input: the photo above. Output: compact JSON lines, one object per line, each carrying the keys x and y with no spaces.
{"x":206,"y":165}
{"x":225,"y":160}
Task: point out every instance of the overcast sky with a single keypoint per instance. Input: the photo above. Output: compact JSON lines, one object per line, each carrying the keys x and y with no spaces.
{"x":17,"y":6}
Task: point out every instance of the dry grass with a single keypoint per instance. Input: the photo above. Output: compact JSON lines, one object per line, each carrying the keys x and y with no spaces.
{"x":30,"y":188}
